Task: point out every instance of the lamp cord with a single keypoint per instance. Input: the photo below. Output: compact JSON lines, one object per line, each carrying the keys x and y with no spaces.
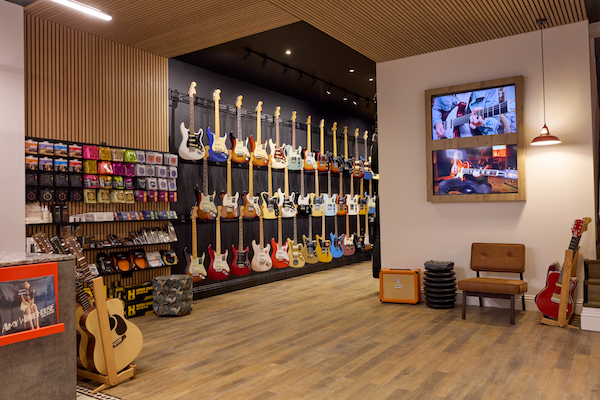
{"x":543,"y":76}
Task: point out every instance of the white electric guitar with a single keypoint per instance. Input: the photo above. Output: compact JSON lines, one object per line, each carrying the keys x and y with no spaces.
{"x":288,"y":208}
{"x":294,"y":154}
{"x":230,"y":208}
{"x":218,"y":268}
{"x":453,"y":121}
{"x":352,"y":199}
{"x":278,"y":157}
{"x":191,"y":147}
{"x":261,"y":261}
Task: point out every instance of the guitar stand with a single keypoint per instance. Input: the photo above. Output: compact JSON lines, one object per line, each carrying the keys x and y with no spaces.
{"x":113,"y":377}
{"x":568,"y":269}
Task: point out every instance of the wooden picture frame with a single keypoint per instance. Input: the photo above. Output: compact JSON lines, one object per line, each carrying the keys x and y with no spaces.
{"x":483,"y":161}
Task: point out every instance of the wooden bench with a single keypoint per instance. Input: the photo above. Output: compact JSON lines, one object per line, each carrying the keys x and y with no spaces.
{"x":495,"y":257}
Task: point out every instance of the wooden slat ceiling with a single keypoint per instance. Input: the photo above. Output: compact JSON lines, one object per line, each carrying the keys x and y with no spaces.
{"x":381,"y":30}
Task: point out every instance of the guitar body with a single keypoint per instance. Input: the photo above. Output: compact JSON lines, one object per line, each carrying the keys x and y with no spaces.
{"x":548,"y":300}
{"x":318,"y":205}
{"x":82,"y":337}
{"x":191,"y":153}
{"x":359,"y":242}
{"x":330,"y":205}
{"x":368,"y":246}
{"x":336,"y":246}
{"x":261,"y":156}
{"x":304,"y":206}
{"x":230,"y":208}
{"x":240,"y":265}
{"x":270,"y":206}
{"x":341,"y":205}
{"x":358,"y":168}
{"x":309,"y":251}
{"x":372,"y":205}
{"x":363,"y":207}
{"x":367,"y":173}
{"x":348,"y":165}
{"x":449,"y":128}
{"x":288,"y":208}
{"x":323,"y":250}
{"x":310,"y":164}
{"x":218,"y":269}
{"x":251,"y":206}
{"x":207,"y":210}
{"x":294,"y":157}
{"x":278,"y":157}
{"x":241,"y":154}
{"x":348,"y":245}
{"x":323,"y":162}
{"x":127,"y":338}
{"x":279,"y":258}
{"x":261,"y":261}
{"x":335,"y":164}
{"x":295,"y":254}
{"x":352,"y":204}
{"x":195,"y":267}
{"x":217,"y":147}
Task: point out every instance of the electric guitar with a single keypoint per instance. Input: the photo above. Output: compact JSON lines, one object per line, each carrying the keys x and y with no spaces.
{"x":367,"y":240}
{"x":191,"y":147}
{"x":261,"y":261}
{"x":294,"y":155}
{"x":454,"y":120}
{"x":371,"y":203}
{"x":195,"y":265}
{"x":352,"y":199}
{"x":279,"y":257}
{"x":358,"y":162}
{"x":271,"y":204}
{"x":206,"y":203}
{"x":304,"y":206}
{"x":337,"y":250}
{"x":341,"y":199}
{"x":318,"y":203}
{"x":335,"y":162}
{"x":310,"y":164}
{"x":126,"y":338}
{"x":460,"y":169}
{"x":240,"y":265}
{"x":217,"y":144}
{"x":251,"y":202}
{"x":329,"y":199}
{"x":218,"y":268}
{"x":348,"y":161}
{"x":548,"y":300}
{"x":309,"y":251}
{"x":230,"y":209}
{"x":348,"y":239}
{"x":367,"y":173}
{"x":322,"y":157}
{"x":295,"y":249}
{"x":359,"y":240}
{"x":323,"y":245}
{"x":373,"y":145}
{"x":278,"y":157}
{"x":288,"y":209}
{"x":261,"y":156}
{"x":241,"y":154}
{"x":363,"y":200}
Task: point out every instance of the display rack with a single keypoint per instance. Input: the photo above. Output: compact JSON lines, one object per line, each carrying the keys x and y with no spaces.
{"x":568,"y":272}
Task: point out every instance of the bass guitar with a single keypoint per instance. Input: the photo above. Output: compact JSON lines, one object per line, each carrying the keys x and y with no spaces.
{"x":240,"y":265}
{"x":279,"y":257}
{"x":278,"y":157}
{"x":191,"y":147}
{"x":323,"y":245}
{"x":239,"y":146}
{"x":218,"y":269}
{"x":195,"y":265}
{"x":261,"y":156}
{"x":217,"y":144}
{"x":294,"y":154}
{"x":548,"y":300}
{"x":261,"y":261}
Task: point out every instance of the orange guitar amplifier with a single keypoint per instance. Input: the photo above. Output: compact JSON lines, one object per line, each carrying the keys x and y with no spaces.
{"x":400,"y":285}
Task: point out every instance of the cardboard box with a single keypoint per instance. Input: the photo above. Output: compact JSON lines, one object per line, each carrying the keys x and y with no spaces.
{"x":400,"y":286}
{"x":138,"y":293}
{"x":136,"y":309}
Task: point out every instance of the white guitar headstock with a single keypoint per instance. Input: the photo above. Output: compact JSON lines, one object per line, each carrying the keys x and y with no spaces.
{"x":192,"y":89}
{"x":217,"y":95}
{"x":259,"y":107}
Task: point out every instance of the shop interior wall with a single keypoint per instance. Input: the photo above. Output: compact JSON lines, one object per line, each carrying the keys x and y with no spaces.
{"x":560,"y":179}
{"x":190,"y":173}
{"x":12,"y":127}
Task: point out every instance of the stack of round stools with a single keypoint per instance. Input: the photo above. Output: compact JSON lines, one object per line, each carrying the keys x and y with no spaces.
{"x":172,"y":295}
{"x":440,"y":284}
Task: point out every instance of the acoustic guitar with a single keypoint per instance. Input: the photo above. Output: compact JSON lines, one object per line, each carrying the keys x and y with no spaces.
{"x":194,"y":264}
{"x":191,"y":147}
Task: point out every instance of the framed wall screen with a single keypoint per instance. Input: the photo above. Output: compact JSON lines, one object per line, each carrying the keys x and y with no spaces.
{"x":475,"y":142}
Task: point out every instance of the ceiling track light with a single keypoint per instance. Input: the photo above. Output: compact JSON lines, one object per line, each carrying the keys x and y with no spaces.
{"x":314,"y":82}
{"x":264,"y":63}
{"x":328,"y":91}
{"x":355,"y":102}
{"x":247,"y":56}
{"x":300,"y":77}
{"x":285,"y":71}
{"x":345,"y":97}
{"x":85,"y":8}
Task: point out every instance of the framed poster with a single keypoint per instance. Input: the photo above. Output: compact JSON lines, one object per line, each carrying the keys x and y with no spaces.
{"x":474,"y":142}
{"x":28,"y":302}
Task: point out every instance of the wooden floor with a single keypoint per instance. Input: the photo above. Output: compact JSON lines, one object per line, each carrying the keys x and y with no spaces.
{"x":327,"y":336}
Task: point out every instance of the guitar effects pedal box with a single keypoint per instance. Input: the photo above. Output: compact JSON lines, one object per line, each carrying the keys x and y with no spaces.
{"x":400,"y":285}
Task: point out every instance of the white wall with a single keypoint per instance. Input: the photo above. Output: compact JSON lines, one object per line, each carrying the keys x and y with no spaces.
{"x":12,"y":128}
{"x":560,"y":183}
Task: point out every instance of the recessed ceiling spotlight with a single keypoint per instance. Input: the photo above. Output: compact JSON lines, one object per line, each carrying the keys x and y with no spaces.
{"x":371,"y":79}
{"x":328,"y":91}
{"x":355,"y":101}
{"x":345,"y":98}
{"x":288,"y":52}
{"x":351,"y":70}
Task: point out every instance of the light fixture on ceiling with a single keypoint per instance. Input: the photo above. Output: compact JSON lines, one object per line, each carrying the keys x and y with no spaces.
{"x":247,"y":56}
{"x":285,"y":71}
{"x":264,"y":63}
{"x":328,"y":91}
{"x":345,"y":98}
{"x":314,"y":82}
{"x":545,"y":138}
{"x":371,"y":79}
{"x":300,"y":77}
{"x":85,"y":8}
{"x":288,"y":52}
{"x":351,"y":70}
{"x":355,"y":101}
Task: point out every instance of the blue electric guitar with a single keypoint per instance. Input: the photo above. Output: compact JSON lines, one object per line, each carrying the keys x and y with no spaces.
{"x":217,"y":144}
{"x":336,"y":242}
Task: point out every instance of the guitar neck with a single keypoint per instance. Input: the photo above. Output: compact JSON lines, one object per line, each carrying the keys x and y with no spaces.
{"x":323,"y":226}
{"x":239,"y":124}
{"x":347,"y":225}
{"x":335,"y":143}
{"x":341,"y":185}
{"x":295,"y":230}
{"x":205,"y":175}
{"x":361,"y":188}
{"x":258,"y":117}
{"x":500,"y":108}
{"x":270,"y":180}
{"x":279,"y":229}
{"x":250,"y":180}
{"x":308,"y":134}
{"x":82,"y":295}
{"x":357,"y":224}
{"x":229,"y":175}
{"x":366,"y":224}
{"x":302,"y":181}
{"x":309,"y":227}
{"x":286,"y":184}
{"x":294,"y":135}
{"x":335,"y":221}
{"x":356,"y":145}
{"x":192,"y":129}
{"x":241,"y":231}
{"x":346,"y":145}
{"x":329,"y":183}
{"x":261,"y":238}
{"x":277,"y":131}
{"x":351,"y":186}
{"x":322,"y":136}
{"x":217,"y":122}
{"x":370,"y":188}
{"x":194,"y":239}
{"x":218,"y":240}
{"x":316,"y":183}
{"x":365,"y":138}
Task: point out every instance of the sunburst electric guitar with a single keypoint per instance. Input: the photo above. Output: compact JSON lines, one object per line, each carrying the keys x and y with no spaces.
{"x":217,"y":144}
{"x":240,"y":265}
{"x":230,"y":209}
{"x":294,"y":154}
{"x":191,"y":147}
{"x":239,"y":146}
{"x":278,"y":157}
{"x":279,"y":257}
{"x":261,"y":156}
{"x":218,"y":269}
{"x":261,"y":261}
{"x":195,"y":265}
{"x":357,"y":171}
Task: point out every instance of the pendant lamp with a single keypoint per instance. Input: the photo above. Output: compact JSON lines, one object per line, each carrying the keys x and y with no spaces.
{"x":545,"y":138}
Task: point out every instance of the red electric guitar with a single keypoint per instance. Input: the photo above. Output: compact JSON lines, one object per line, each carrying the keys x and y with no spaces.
{"x":240,"y":264}
{"x":280,"y":256}
{"x":548,"y":300}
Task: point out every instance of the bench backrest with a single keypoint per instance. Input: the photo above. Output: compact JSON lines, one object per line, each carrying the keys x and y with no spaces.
{"x":498,"y":257}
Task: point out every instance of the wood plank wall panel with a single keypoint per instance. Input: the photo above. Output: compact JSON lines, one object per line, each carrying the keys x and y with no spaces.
{"x":83,"y":88}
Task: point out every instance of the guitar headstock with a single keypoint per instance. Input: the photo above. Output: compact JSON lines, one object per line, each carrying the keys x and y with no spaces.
{"x":194,"y":213}
{"x":217,"y":95}
{"x":345,"y":130}
{"x":356,"y":134}
{"x":293,"y":116}
{"x":366,"y":136}
{"x":241,"y":213}
{"x":192,"y":89}
{"x":322,"y":124}
{"x":512,"y":174}
{"x":374,"y":136}
{"x":277,"y":112}
{"x":308,"y":120}
{"x":334,"y":129}
{"x":43,"y":243}
{"x":73,"y":246}
{"x":579,"y":226}
{"x":238,"y":102}
{"x":258,"y":107}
